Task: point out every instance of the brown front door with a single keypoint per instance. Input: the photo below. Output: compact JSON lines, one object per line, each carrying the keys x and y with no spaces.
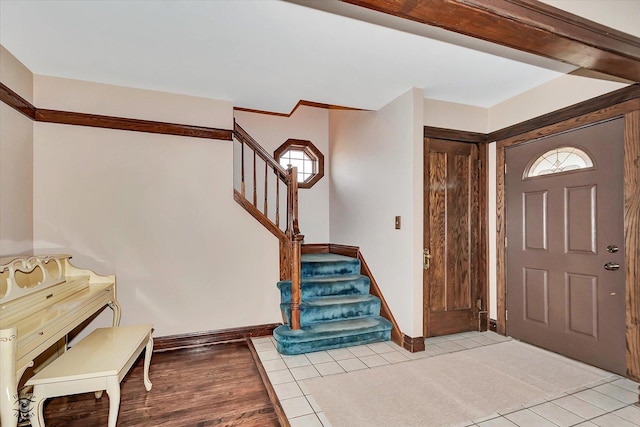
{"x":564,"y":224}
{"x":450,"y":237}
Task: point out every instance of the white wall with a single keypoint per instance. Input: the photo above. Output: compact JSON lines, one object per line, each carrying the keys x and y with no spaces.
{"x":305,"y":123}
{"x":376,"y":174}
{"x":156,"y":210}
{"x":451,"y":115}
{"x":16,"y":161}
{"x":558,"y":93}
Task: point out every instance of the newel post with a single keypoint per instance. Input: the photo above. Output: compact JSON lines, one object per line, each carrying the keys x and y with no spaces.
{"x":295,"y":243}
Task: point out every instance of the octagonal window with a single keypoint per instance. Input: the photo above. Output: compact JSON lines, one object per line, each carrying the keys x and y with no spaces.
{"x":303,"y":155}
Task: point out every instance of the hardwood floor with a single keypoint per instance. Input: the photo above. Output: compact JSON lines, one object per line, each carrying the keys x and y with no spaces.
{"x":216,"y":385}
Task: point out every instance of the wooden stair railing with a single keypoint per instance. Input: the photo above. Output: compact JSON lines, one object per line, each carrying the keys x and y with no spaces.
{"x":290,"y":238}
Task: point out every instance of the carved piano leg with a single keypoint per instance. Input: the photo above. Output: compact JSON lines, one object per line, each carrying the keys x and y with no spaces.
{"x":117,"y":312}
{"x":8,"y":381}
{"x":37,"y":420}
{"x":147,"y":361}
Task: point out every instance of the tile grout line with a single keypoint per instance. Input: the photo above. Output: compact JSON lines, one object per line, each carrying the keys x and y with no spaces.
{"x":483,"y":340}
{"x":584,"y":420}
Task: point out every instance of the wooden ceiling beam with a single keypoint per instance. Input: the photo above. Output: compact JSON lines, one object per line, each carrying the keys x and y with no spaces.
{"x":529,"y":26}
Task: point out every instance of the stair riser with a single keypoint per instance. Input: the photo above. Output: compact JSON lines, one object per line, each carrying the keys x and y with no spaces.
{"x":325,"y":269}
{"x":289,"y":348}
{"x":314,"y":314}
{"x":312,"y":289}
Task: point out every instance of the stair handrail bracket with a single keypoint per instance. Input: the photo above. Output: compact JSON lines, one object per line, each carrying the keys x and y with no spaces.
{"x":290,"y":238}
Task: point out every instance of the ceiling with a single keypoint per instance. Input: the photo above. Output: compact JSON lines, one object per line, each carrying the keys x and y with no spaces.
{"x":262,"y":54}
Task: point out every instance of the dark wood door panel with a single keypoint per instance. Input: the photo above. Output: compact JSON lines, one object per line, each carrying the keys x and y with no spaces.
{"x":438,"y":231}
{"x":459,"y":232}
{"x":451,"y":233}
{"x":452,"y":322}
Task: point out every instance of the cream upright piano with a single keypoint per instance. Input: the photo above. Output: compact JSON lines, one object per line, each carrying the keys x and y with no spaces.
{"x":42,"y":299}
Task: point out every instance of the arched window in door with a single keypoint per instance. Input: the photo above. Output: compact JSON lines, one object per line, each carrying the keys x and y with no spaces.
{"x":558,"y":160}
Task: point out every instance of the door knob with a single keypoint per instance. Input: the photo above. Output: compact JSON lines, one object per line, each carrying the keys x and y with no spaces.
{"x":611,"y":266}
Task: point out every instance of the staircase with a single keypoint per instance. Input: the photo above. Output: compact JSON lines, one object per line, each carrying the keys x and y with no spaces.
{"x":325,"y":301}
{"x":336,"y":309}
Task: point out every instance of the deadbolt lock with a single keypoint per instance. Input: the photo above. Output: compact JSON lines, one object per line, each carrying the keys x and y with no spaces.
{"x":612,"y":249}
{"x":426,"y":261}
{"x":611,"y":266}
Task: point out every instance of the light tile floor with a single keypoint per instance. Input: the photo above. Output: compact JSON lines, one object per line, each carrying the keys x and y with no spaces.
{"x":608,"y":403}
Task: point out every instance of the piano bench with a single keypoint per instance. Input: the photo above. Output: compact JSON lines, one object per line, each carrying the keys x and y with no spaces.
{"x":96,"y":363}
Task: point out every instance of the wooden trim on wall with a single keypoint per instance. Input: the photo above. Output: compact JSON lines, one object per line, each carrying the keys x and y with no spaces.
{"x":607,"y":113}
{"x":413,"y":344}
{"x":454,"y":135}
{"x":354,"y":252}
{"x":501,"y":254}
{"x":529,"y":26}
{"x":135,"y":125}
{"x":18,"y":103}
{"x":632,"y":239}
{"x":197,"y":339}
{"x":629,"y":93}
{"x":301,"y":103}
{"x":315,"y":248}
{"x":385,"y":310}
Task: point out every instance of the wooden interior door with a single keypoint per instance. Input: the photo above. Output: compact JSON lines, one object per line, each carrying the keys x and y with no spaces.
{"x":450,"y":272}
{"x":565,"y":247}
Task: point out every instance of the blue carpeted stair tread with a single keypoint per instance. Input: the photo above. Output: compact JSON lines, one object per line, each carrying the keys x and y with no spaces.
{"x":330,"y":335}
{"x":349,"y":326}
{"x":333,"y":278}
{"x":336,"y":310}
{"x":315,"y":265}
{"x":346,"y":299}
{"x":327,"y":286}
